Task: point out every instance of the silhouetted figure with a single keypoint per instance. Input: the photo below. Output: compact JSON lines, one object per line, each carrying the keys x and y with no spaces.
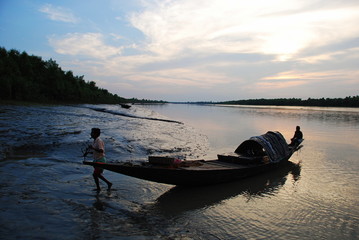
{"x":298,"y":137}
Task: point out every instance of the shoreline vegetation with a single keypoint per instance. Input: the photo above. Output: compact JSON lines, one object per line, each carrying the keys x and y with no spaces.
{"x":27,"y":79}
{"x":351,"y":101}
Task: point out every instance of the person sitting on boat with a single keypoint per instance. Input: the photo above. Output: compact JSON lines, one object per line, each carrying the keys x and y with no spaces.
{"x":98,"y":148}
{"x":297,"y":138}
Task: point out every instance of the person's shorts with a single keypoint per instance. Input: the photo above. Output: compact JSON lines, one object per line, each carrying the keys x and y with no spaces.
{"x":98,"y":170}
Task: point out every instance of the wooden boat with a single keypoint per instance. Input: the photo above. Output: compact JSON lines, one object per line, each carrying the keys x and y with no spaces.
{"x":124,"y":105}
{"x":256,"y":155}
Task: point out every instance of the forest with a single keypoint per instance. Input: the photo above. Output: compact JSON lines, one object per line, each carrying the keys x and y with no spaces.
{"x":28,"y":78}
{"x":351,"y":101}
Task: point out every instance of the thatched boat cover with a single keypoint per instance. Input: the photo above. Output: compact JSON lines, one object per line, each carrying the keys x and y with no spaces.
{"x":271,"y":144}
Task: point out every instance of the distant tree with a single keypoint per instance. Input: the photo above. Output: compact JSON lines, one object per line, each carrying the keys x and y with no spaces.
{"x":321,"y":102}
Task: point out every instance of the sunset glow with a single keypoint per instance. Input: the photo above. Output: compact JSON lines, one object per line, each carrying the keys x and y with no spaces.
{"x":195,"y":50}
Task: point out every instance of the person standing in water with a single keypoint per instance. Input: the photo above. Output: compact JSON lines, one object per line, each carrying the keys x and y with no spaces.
{"x":98,"y":148}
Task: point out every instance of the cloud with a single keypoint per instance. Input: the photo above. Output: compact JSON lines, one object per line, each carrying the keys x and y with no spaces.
{"x":276,"y":85}
{"x":298,"y":75}
{"x":278,"y":27}
{"x":58,"y":13}
{"x":312,"y":80}
{"x":349,"y":53}
{"x":338,"y":83}
{"x":87,"y":44}
{"x":189,"y":77}
{"x":231,"y":48}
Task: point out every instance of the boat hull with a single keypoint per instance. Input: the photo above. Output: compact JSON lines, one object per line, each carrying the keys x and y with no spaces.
{"x":211,"y":172}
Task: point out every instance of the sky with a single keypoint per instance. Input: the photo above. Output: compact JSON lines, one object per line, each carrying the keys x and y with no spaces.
{"x":195,"y":50}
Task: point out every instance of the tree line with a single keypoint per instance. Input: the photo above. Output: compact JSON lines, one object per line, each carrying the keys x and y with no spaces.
{"x":29,"y":78}
{"x":351,"y":101}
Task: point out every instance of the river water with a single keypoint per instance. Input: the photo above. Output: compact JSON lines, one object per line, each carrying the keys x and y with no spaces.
{"x":47,"y":193}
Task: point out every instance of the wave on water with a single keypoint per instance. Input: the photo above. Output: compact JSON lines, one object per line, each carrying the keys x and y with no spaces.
{"x":64,"y":130}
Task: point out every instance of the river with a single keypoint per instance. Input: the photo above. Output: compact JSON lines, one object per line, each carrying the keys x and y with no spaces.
{"x":47,"y":193}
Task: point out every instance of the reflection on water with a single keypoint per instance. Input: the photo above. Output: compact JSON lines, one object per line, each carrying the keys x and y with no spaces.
{"x":180,"y":199}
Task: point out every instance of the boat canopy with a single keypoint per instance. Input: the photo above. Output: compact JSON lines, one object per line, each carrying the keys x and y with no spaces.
{"x":271,"y":144}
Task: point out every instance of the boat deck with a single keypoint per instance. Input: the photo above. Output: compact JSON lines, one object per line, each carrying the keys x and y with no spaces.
{"x":216,"y":165}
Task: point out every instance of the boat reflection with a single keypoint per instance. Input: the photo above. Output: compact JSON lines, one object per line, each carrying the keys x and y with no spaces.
{"x":181,"y":199}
